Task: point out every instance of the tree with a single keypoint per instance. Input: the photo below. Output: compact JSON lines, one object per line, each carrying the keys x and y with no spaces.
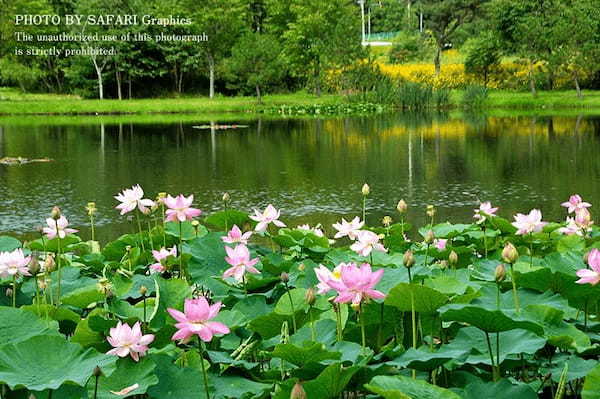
{"x":322,"y":35}
{"x":482,"y":55}
{"x":255,"y":61}
{"x":223,"y":22}
{"x":444,"y":17}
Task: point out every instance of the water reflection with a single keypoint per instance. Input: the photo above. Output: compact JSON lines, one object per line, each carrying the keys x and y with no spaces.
{"x":311,"y":168}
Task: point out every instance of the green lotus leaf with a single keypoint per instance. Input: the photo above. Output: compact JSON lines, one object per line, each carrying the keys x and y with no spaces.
{"x":175,"y":381}
{"x":502,"y":389}
{"x":126,"y":374}
{"x":188,"y":232}
{"x":172,"y":295}
{"x":224,"y":220}
{"x":399,"y":387}
{"x":302,"y":355}
{"x":47,"y":362}
{"x":8,"y":244}
{"x":17,"y":325}
{"x":591,"y":386}
{"x":425,"y":299}
{"x":488,"y":320}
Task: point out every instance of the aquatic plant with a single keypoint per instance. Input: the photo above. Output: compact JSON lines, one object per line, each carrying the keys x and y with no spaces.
{"x":233,"y":305}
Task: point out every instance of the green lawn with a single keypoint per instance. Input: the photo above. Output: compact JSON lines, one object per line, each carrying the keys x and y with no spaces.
{"x":13,"y":102}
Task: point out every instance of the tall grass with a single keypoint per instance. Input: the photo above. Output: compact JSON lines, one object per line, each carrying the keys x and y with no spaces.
{"x":474,"y":96}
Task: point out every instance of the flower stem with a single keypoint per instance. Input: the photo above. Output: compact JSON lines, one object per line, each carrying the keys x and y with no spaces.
{"x":292,"y":306}
{"x":201,"y":349}
{"x":362,"y":328}
{"x":150,"y":234}
{"x":92,"y":227}
{"x":485,"y":250}
{"x":181,"y":272}
{"x":96,"y":387}
{"x":413,"y":318}
{"x":144,"y":321}
{"x":338,"y":316}
{"x":313,"y":333}
{"x":426,"y":254}
{"x":489,"y":345}
{"x":137,"y":216}
{"x":14,"y":295}
{"x":364,"y":213}
{"x":514,"y":288}
{"x":58,"y":266}
{"x":531,"y":250}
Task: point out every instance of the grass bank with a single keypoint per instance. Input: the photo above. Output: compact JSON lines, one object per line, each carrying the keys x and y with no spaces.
{"x":13,"y":102}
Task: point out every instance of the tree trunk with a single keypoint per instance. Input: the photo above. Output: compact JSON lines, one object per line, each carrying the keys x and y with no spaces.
{"x":129,"y":86}
{"x":576,"y":79}
{"x":317,"y":76}
{"x":211,"y":76}
{"x":118,"y":78}
{"x":258,"y":94}
{"x":180,"y":83}
{"x":437,"y":60}
{"x":99,"y":75}
{"x":532,"y":80}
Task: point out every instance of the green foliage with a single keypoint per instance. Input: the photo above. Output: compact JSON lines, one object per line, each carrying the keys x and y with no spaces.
{"x":410,"y":47}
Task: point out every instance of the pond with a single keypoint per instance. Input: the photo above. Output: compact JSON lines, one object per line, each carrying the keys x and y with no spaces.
{"x":312,"y":169}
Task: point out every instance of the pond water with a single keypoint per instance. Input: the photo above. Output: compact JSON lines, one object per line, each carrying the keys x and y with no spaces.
{"x":312,"y":169}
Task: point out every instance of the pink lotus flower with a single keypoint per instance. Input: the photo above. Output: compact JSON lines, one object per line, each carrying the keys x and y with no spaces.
{"x":357,"y":284}
{"x":316,"y":231}
{"x":485,"y":209}
{"x":367,"y":242}
{"x":58,"y":228}
{"x":440,"y":243}
{"x":161,"y":256}
{"x":269,"y":215}
{"x":128,"y":341}
{"x":349,"y":229}
{"x":575,"y":203}
{"x":196,"y":320}
{"x":131,"y":198}
{"x":583,"y":218}
{"x":588,"y":276}
{"x":180,"y":208}
{"x":531,"y":223}
{"x":325,"y":275}
{"x":571,"y":228}
{"x":239,"y":259}
{"x":126,"y":390}
{"x":235,"y":235}
{"x":14,"y":264}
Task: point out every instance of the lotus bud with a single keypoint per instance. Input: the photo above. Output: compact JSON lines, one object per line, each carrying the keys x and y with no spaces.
{"x":34,"y":265}
{"x":42,"y":284}
{"x":430,"y":211}
{"x":301,"y":267}
{"x":585,"y":257}
{"x":49,"y":263}
{"x":298,"y":392}
{"x":195,"y":223}
{"x":9,"y":292}
{"x":310,"y":297}
{"x":408,"y":259}
{"x":402,"y":206}
{"x":386,"y":221}
{"x":509,"y":253}
{"x":97,"y":372}
{"x":226,"y":197}
{"x":366,"y":190}
{"x":429,"y":237}
{"x":500,"y":273}
{"x":444,"y":264}
{"x":91,"y":208}
{"x":284,"y":277}
{"x":143,"y":290}
{"x":55,"y":213}
{"x":452,"y":258}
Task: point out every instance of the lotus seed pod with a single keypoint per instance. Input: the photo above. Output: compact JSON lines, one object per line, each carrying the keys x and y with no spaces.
{"x":408,"y":259}
{"x":143,"y":290}
{"x":55,"y":213}
{"x":9,"y":292}
{"x":34,"y":265}
{"x":430,"y":211}
{"x":226,"y":197}
{"x":49,"y":263}
{"x":366,"y":190}
{"x":97,"y":372}
{"x":509,"y":253}
{"x":500,"y":273}
{"x":402,"y":206}
{"x":91,"y":208}
{"x":386,"y":221}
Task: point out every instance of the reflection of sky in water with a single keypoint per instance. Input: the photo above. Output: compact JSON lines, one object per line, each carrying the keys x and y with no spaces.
{"x":312,"y":169}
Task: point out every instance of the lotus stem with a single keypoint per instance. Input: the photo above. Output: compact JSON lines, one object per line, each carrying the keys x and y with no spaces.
{"x":362,"y":328}
{"x":426,"y":254}
{"x":201,"y":349}
{"x":292,"y":306}
{"x":92,"y":227}
{"x":96,"y":387}
{"x":531,"y":250}
{"x":514,"y":288}
{"x":364,"y":209}
{"x":150,"y":234}
{"x":489,"y":345}
{"x":58,"y":266}
{"x":402,"y":226}
{"x":245,"y":286}
{"x":413,"y":317}
{"x":585,"y":315}
{"x":144,"y":321}
{"x":338,"y":319}
{"x":14,"y":294}
{"x":313,"y":333}
{"x":139,"y":223}
{"x":485,"y":250}
{"x":181,"y":272}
